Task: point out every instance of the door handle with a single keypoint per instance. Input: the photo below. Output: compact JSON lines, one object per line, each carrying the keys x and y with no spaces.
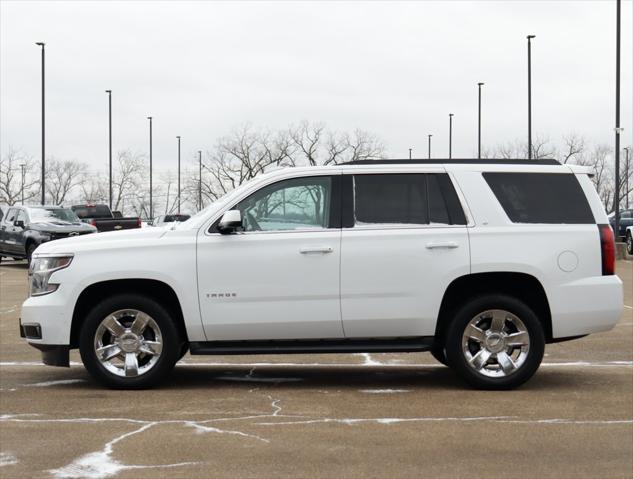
{"x":315,"y":249}
{"x":445,"y":245}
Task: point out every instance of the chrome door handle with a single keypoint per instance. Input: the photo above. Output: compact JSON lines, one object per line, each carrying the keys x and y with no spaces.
{"x":315,"y":249}
{"x":446,"y":245}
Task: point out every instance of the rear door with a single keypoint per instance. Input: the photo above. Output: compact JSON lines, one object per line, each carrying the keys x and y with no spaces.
{"x":405,"y":240}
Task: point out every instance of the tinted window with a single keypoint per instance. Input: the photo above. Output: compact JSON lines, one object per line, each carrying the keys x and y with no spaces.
{"x":406,"y":199}
{"x":541,"y":197}
{"x":98,"y":211}
{"x":299,"y":203}
{"x":390,"y":199}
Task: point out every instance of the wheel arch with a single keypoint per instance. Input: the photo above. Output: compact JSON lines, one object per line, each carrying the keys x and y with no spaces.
{"x":522,"y":286}
{"x":157,"y":290}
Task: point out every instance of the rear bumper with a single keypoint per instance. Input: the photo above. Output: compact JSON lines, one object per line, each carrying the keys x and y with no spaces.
{"x":586,"y":306}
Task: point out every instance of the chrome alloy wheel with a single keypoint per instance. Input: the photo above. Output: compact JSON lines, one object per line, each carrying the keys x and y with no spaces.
{"x":128,"y":343}
{"x":495,"y":343}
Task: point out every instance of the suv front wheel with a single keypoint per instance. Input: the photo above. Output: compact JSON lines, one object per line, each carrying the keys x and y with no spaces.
{"x":495,"y":342}
{"x":129,"y":342}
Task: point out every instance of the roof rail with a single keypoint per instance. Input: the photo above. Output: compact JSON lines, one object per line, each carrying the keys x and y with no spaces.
{"x":485,"y":161}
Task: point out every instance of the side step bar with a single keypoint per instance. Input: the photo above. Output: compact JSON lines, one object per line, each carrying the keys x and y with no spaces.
{"x":302,"y":346}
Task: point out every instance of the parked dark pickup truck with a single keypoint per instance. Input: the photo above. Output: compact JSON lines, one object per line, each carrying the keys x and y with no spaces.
{"x":24,"y":228}
{"x":626,"y":220}
{"x":103,"y":219}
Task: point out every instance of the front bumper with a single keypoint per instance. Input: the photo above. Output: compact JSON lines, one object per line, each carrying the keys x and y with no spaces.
{"x":52,"y":354}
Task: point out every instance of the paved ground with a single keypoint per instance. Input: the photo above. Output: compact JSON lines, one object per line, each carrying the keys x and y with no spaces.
{"x":395,"y":415}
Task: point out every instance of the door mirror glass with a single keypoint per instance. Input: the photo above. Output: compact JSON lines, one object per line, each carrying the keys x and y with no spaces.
{"x":230,"y":222}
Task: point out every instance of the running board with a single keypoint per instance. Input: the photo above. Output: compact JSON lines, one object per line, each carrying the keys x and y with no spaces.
{"x":304,"y":346}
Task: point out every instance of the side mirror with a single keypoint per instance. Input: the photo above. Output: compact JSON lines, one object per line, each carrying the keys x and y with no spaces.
{"x":19,"y":223}
{"x":230,"y":222}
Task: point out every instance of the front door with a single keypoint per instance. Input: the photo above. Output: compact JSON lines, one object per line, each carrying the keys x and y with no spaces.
{"x":279,"y":278}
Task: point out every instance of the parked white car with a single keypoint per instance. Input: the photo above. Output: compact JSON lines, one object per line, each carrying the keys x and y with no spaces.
{"x":480,"y":262}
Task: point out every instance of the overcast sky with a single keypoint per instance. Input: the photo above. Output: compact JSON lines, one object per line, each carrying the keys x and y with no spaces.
{"x":395,"y":69}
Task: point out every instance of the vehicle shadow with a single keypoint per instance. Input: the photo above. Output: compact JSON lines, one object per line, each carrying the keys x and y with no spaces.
{"x":15,"y":264}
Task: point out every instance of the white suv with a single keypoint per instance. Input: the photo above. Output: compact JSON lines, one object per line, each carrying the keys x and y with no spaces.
{"x":480,"y":262}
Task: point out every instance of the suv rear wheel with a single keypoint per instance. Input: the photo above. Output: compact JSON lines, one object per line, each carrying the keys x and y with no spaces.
{"x":129,"y":342}
{"x":495,"y":342}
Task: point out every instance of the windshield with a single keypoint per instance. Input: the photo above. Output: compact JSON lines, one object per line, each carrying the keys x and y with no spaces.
{"x":52,"y":214}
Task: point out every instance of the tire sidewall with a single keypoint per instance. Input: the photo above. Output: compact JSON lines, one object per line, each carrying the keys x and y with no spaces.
{"x":171,"y":342}
{"x":455,"y":355}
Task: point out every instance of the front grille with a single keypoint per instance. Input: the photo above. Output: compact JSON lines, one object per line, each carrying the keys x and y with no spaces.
{"x":55,"y":236}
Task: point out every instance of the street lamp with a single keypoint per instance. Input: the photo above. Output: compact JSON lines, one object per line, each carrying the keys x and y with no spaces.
{"x":626,"y":152}
{"x":109,"y":92}
{"x":42,"y":44}
{"x":618,"y":130}
{"x":22,"y":185}
{"x":529,"y":39}
{"x":200,"y":180}
{"x":178,"y":174}
{"x":151,"y":211}
{"x":479,"y":124}
{"x":430,"y":146}
{"x":450,"y":136}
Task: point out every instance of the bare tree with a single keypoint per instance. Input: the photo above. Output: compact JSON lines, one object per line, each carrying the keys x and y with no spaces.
{"x":12,"y":166}
{"x":574,"y":147}
{"x":127,"y":179}
{"x":62,"y":176}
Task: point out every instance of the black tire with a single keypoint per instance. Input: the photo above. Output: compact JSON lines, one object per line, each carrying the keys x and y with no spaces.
{"x":629,"y":243}
{"x":439,"y":353}
{"x":171,"y":342}
{"x":30,"y":248}
{"x":457,"y":357}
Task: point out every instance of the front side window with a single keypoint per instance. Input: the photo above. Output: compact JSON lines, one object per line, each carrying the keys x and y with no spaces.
{"x":22,"y":216}
{"x":296,"y":204}
{"x":11,"y":215}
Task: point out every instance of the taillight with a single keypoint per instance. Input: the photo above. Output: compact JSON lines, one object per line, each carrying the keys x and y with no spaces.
{"x":607,"y":248}
{"x":138,"y":222}
{"x":93,"y":222}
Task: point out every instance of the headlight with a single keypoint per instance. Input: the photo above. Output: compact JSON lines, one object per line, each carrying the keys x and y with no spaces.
{"x":40,"y":271}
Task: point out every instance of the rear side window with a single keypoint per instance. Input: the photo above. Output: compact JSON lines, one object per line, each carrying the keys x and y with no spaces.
{"x":541,"y":197}
{"x":414,"y":198}
{"x":98,"y":211}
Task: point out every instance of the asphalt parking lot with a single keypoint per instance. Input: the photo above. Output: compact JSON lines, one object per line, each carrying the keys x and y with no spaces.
{"x":396,"y":415}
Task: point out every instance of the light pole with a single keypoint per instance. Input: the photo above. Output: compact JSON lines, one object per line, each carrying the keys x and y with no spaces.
{"x":479,"y":124}
{"x":200,"y":180}
{"x":626,"y":152}
{"x":109,"y":92}
{"x":450,"y":136}
{"x":178,"y":174}
{"x":618,"y":130}
{"x":430,"y":146}
{"x":42,"y":44}
{"x":410,"y":153}
{"x":151,"y":211}
{"x":529,"y":39}
{"x":22,"y":184}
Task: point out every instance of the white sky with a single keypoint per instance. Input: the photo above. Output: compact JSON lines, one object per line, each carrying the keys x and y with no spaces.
{"x":395,"y":69}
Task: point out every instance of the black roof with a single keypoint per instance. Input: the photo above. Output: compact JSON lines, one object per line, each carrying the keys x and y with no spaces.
{"x":485,"y":161}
